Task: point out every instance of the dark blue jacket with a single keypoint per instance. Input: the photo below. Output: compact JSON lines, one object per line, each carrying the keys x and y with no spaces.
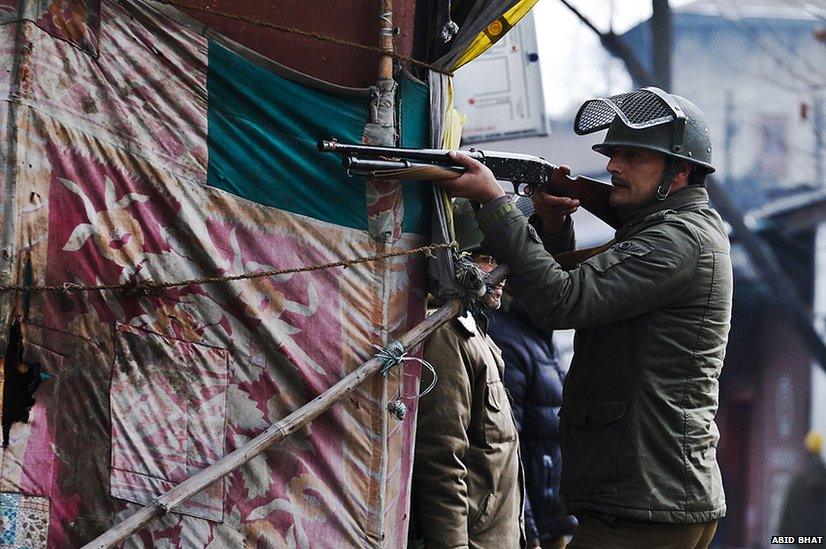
{"x":534,"y":379}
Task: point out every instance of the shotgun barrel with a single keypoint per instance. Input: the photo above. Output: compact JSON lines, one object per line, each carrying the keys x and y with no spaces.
{"x":527,"y":173}
{"x":400,"y":169}
{"x":430,"y":155}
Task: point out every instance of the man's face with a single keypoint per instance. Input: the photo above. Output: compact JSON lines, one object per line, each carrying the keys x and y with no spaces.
{"x":635,"y":174}
{"x":493,"y":299}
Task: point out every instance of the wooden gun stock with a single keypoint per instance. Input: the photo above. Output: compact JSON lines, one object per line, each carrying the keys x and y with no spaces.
{"x":593,"y":195}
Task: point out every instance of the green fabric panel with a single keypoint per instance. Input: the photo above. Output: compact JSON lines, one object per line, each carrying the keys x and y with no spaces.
{"x":415,"y":129}
{"x":262,"y":139}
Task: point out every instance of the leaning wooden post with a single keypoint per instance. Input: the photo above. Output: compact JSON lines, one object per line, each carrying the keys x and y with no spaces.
{"x":278,"y":431}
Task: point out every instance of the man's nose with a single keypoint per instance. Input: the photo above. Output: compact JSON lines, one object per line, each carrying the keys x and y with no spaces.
{"x":614,"y":166}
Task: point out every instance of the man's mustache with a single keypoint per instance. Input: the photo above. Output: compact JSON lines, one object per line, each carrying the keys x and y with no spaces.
{"x":619,"y":181}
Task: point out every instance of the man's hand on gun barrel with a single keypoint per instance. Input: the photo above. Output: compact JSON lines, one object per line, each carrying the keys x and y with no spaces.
{"x":477,"y":183}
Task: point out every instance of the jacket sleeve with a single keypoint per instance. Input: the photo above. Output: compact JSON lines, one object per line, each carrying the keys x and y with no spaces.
{"x":630,"y":278}
{"x":564,"y":241}
{"x":441,"y":441}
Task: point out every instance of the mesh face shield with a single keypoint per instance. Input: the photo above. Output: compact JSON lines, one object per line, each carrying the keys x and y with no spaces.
{"x":639,"y":109}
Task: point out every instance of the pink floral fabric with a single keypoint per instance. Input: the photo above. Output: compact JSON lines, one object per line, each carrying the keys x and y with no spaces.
{"x":109,"y":187}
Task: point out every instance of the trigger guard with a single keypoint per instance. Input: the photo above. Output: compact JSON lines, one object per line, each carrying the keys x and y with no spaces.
{"x":523,"y":189}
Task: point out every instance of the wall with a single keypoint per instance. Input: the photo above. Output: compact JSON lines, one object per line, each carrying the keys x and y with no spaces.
{"x":351,"y":21}
{"x":764,"y":407}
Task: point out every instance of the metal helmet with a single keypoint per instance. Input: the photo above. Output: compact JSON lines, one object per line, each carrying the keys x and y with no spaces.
{"x":652,"y":119}
{"x":468,"y":235}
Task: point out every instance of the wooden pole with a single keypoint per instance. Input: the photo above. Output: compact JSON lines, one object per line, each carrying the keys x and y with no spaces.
{"x":386,"y":39}
{"x":277,"y":431}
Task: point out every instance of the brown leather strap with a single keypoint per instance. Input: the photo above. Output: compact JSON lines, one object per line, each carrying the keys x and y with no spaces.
{"x":569,"y":260}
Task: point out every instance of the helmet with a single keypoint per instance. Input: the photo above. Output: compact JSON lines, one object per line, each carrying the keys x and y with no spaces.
{"x":468,"y":235}
{"x":652,"y":119}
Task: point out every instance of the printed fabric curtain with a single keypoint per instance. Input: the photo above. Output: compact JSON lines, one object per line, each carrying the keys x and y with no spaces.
{"x":139,"y":147}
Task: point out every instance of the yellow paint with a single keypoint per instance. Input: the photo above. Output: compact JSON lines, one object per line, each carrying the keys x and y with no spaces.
{"x":493,"y":32}
{"x":813,"y":442}
{"x":495,"y":28}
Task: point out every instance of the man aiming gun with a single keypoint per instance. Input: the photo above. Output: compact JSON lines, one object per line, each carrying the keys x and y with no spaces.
{"x":652,"y":315}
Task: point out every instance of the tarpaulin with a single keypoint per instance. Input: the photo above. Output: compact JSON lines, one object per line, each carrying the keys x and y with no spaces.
{"x":485,"y":22}
{"x":136,"y":149}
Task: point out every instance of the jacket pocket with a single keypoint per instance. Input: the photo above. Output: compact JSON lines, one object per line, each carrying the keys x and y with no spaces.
{"x":618,"y":253}
{"x":476,"y":519}
{"x":499,"y":425}
{"x":591,"y":437}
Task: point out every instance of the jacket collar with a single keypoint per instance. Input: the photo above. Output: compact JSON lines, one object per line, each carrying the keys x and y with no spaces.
{"x":467,"y":324}
{"x":684,"y":200}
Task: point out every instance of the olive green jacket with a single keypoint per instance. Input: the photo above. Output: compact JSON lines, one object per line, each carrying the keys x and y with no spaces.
{"x":652,"y":316}
{"x":467,"y":475}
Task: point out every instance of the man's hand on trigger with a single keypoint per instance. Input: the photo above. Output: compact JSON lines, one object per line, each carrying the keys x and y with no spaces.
{"x":477,"y":184}
{"x":553,"y":210}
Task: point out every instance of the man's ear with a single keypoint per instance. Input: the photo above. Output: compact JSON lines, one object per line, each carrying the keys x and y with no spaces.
{"x":681,"y":174}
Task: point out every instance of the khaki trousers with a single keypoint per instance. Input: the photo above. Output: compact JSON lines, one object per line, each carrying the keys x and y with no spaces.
{"x":598,"y":531}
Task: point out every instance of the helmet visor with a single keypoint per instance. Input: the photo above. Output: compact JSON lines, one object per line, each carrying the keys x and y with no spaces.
{"x":637,"y":109}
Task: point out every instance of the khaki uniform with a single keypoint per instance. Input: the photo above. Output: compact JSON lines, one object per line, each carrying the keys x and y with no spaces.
{"x":467,"y":476}
{"x":652,"y":315}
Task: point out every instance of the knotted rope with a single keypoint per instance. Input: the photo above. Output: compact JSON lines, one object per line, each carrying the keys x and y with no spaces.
{"x":394,"y":354}
{"x":469,"y":276}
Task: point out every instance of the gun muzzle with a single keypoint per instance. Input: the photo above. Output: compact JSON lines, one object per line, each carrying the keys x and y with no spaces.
{"x":326,"y":146}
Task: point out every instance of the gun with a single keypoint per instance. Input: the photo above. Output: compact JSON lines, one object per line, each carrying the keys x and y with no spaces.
{"x":527,"y":173}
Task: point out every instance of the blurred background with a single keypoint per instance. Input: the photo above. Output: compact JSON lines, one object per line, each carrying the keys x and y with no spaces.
{"x":756,"y":68}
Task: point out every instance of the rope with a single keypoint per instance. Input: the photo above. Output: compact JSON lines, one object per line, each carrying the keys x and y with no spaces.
{"x":393,"y":355}
{"x":390,"y":356}
{"x":300,"y":32}
{"x":146,"y":287}
{"x":387,"y":29}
